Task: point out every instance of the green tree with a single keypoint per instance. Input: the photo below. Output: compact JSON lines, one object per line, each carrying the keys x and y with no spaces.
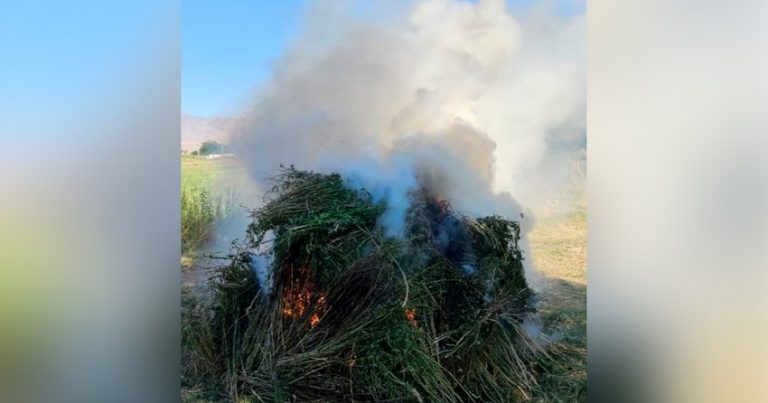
{"x":210,"y":147}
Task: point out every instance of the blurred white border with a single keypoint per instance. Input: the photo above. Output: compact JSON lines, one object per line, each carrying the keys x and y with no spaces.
{"x":678,"y":198}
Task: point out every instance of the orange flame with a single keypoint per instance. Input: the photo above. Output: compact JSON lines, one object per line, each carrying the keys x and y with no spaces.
{"x":298,"y":294}
{"x":320,"y":307}
{"x":410,"y":315}
{"x":314,"y":320}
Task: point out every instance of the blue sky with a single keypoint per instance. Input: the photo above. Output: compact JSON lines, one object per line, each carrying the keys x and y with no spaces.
{"x":228,"y":46}
{"x":59,"y":59}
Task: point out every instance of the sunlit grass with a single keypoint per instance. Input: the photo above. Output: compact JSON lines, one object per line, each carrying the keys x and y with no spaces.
{"x":559,"y":252}
{"x":207,"y":196}
{"x":559,"y":246}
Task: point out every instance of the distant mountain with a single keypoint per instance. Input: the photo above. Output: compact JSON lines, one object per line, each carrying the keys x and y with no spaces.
{"x":196,"y":129}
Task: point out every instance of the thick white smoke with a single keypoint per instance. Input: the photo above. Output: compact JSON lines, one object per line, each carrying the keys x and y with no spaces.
{"x":461,"y":97}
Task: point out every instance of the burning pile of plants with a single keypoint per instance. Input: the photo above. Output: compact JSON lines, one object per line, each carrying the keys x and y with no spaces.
{"x":319,"y":304}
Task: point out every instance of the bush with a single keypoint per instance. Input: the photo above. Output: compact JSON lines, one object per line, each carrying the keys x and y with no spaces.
{"x":210,"y":147}
{"x":199,"y":212}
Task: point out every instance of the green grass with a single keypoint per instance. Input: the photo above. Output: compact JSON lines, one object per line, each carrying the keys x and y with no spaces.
{"x":558,"y":250}
{"x":200,"y":210}
{"x":329,"y":252}
{"x":214,"y":174}
{"x":207,"y":195}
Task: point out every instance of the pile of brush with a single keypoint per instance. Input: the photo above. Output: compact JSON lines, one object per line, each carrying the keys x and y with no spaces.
{"x":318,"y":304}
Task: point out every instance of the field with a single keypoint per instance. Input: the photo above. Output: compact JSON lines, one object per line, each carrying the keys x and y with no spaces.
{"x":214,"y":174}
{"x":557,"y":248}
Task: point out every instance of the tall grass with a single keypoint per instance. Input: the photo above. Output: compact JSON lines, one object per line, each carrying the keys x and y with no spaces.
{"x":396,"y":319}
{"x":200,"y":210}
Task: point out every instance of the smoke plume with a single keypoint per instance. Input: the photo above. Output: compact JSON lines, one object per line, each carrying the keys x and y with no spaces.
{"x":464,"y":99}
